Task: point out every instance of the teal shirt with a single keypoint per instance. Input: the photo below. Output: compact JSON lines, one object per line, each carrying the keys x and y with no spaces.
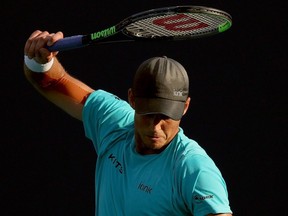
{"x":181,"y":180}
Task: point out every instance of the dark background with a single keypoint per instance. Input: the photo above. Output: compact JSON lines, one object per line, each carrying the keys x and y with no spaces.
{"x":238,"y":111}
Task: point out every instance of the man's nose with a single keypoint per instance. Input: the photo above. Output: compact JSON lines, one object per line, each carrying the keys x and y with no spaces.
{"x":156,"y":120}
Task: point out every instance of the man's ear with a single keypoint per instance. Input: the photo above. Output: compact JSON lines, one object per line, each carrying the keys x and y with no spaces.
{"x":131,"y":98}
{"x":187,"y":103}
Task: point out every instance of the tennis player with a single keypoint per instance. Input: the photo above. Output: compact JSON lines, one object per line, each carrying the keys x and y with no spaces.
{"x":146,"y":165}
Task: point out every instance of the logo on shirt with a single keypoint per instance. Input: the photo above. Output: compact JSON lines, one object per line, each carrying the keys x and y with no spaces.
{"x":116,"y":163}
{"x":201,"y":198}
{"x":145,"y":188}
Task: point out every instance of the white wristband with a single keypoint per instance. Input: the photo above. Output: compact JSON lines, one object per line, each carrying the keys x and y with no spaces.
{"x":36,"y":67}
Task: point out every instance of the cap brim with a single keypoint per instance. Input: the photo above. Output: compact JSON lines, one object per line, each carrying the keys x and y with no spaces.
{"x":170,"y":108}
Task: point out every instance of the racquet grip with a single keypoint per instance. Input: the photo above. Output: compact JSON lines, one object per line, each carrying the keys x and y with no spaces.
{"x":67,"y":43}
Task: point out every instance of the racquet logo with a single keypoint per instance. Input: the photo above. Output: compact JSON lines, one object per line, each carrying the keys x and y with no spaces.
{"x":180,"y":22}
{"x":104,"y":33}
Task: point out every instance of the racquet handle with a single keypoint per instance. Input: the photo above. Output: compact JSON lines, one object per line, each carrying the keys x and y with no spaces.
{"x":67,"y":43}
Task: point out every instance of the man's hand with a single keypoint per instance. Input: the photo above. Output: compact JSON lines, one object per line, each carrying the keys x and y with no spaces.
{"x":36,"y":44}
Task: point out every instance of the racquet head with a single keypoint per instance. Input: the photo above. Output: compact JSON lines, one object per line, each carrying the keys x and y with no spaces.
{"x":177,"y":23}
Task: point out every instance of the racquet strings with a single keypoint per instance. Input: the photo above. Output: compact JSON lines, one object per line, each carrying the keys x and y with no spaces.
{"x":175,"y":25}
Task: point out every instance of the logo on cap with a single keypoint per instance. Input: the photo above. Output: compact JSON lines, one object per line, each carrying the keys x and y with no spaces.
{"x":178,"y":93}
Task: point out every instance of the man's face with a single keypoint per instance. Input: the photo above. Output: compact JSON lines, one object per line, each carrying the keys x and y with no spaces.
{"x":153,"y":132}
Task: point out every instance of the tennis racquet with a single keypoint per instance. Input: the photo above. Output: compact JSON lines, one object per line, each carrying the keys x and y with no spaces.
{"x":167,"y":23}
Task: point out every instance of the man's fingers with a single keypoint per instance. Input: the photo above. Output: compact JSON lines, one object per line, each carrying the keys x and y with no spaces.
{"x":54,"y":37}
{"x":37,"y":41}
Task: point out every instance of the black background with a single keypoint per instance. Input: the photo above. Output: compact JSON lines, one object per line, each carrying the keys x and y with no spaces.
{"x":238,"y":111}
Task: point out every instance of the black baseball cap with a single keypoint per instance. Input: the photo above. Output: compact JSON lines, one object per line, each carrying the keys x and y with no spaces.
{"x":161,"y":86}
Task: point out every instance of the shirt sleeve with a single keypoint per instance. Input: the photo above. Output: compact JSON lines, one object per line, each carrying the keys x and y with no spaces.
{"x":104,"y":116}
{"x":203,"y":186}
